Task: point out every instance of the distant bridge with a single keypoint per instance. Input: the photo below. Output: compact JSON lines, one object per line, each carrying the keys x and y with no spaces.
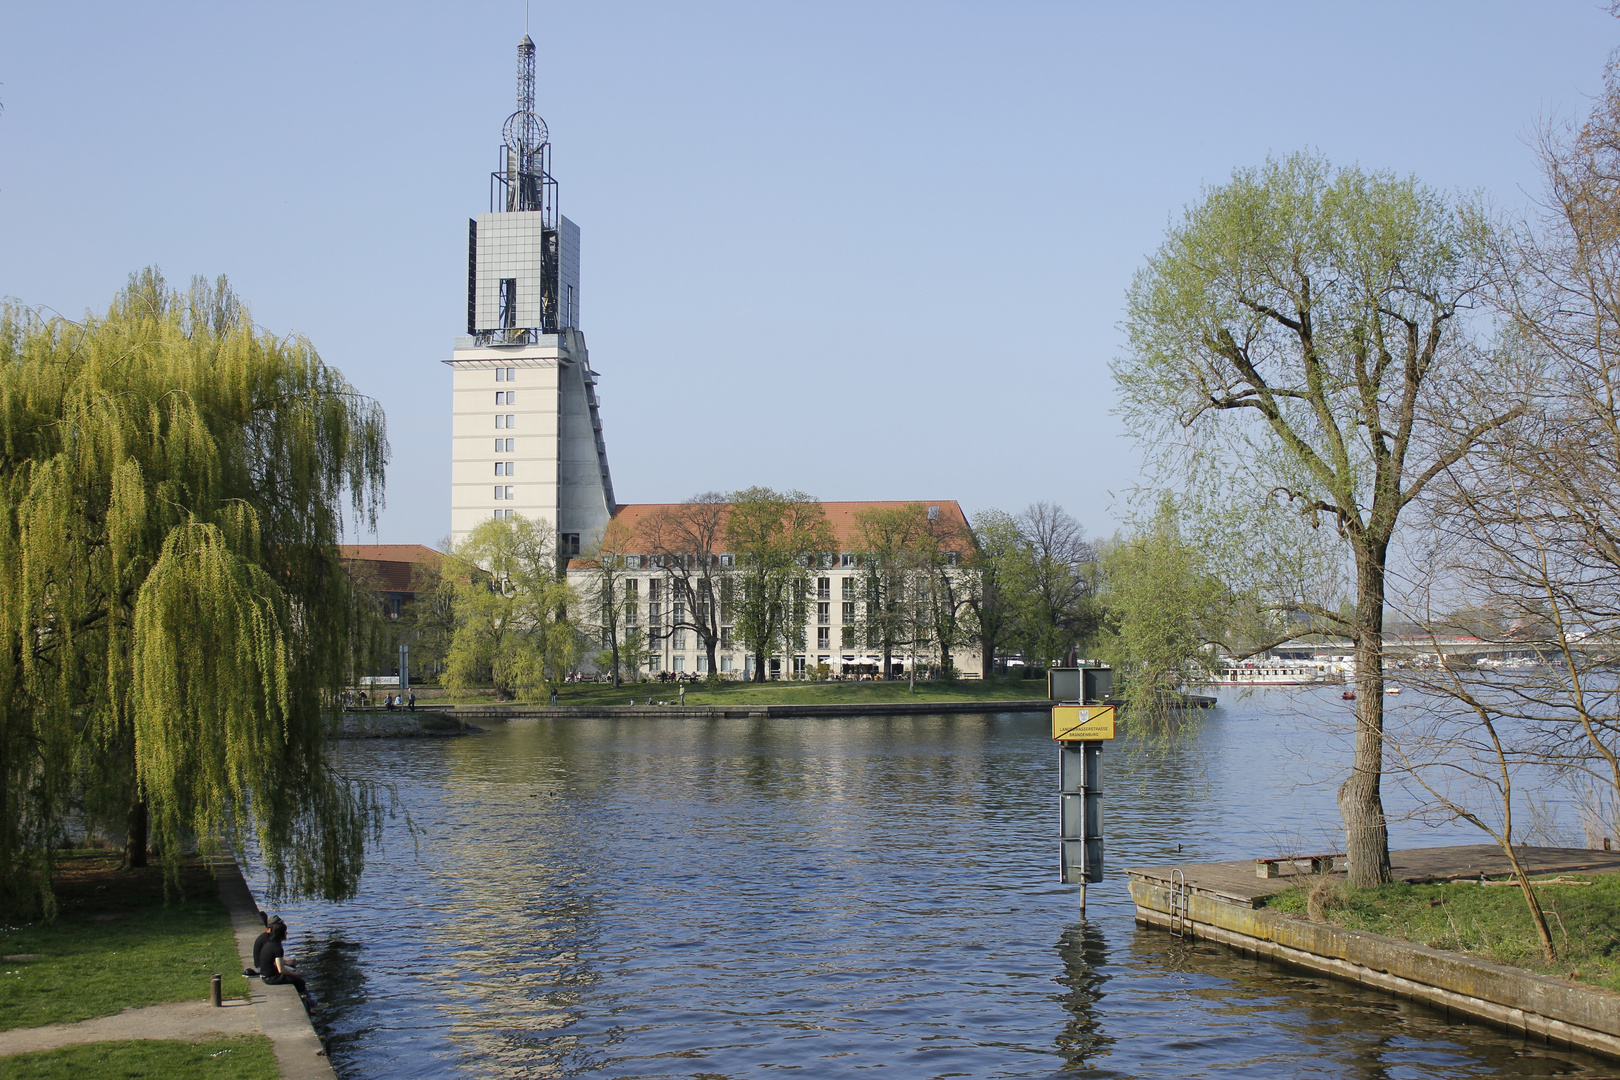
{"x":1459,"y":647}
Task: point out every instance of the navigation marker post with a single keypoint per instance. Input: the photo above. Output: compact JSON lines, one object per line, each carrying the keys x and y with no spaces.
{"x":1081,"y":723}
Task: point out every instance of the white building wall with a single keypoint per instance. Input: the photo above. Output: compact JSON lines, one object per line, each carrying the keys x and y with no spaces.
{"x":539,"y":400}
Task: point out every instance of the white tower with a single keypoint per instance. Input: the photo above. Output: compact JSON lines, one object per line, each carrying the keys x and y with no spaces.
{"x":526,"y":433}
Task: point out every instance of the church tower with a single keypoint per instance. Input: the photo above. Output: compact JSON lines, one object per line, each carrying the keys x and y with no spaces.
{"x":526,"y":432}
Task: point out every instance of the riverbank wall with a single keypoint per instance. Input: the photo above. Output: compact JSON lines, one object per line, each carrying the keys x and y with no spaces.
{"x":481,"y":713}
{"x":300,"y":1054}
{"x":1205,"y":902}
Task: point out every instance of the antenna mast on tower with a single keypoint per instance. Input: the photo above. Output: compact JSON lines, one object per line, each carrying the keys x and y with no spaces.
{"x":524,"y":181}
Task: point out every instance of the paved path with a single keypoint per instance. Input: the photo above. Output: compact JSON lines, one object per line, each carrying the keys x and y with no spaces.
{"x":1237,"y":882}
{"x":191,"y":1021}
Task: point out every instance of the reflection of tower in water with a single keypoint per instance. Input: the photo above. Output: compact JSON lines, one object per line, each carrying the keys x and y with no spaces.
{"x":1082,"y":949}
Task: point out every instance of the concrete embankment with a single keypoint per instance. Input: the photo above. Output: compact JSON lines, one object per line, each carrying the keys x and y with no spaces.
{"x":1223,"y":902}
{"x":740,"y":712}
{"x":300,"y":1054}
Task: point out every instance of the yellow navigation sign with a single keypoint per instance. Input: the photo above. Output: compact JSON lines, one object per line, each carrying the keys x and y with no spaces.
{"x":1082,"y":723}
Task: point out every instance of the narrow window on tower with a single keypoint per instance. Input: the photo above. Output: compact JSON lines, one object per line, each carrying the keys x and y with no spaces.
{"x":509,"y":494}
{"x":509,"y":419}
{"x":498,"y":490}
{"x":511,"y":397}
{"x":498,"y":469}
{"x":509,"y":303}
{"x":509,"y":443}
{"x":498,"y":445}
{"x":511,"y":374}
{"x":500,"y":374}
{"x":500,"y":420}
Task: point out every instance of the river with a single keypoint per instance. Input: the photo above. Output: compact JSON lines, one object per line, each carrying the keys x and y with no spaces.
{"x":846,"y":897}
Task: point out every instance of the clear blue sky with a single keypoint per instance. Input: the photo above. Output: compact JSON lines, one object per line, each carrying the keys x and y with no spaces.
{"x":869,"y":250}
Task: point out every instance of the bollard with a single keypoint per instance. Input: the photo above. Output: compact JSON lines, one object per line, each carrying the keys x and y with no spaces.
{"x":214,"y":997}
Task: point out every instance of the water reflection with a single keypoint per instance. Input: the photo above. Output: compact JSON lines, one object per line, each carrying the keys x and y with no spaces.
{"x":726,"y":898}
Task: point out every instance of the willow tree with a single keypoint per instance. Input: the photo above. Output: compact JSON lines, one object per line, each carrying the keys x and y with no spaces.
{"x":174,"y":614}
{"x":513,"y":628}
{"x":1301,"y":352}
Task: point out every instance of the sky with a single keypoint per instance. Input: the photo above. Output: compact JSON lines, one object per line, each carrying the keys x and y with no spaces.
{"x":865,"y":250}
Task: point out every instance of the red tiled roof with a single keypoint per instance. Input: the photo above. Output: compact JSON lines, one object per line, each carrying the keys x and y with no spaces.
{"x":840,"y":515}
{"x":389,"y":567}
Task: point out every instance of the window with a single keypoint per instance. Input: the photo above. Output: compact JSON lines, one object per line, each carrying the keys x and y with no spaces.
{"x":570,"y":541}
{"x":653,"y":588}
{"x":679,"y":663}
{"x":678,"y":642}
{"x":823,"y":637}
{"x":849,"y":588}
{"x":846,"y":638}
{"x":703,"y":663}
{"x":823,"y":614}
{"x":509,"y":443}
{"x":500,"y":397}
{"x":654,"y":610}
{"x":500,"y":492}
{"x":509,"y":419}
{"x":500,"y":421}
{"x":511,"y":396}
{"x":950,"y":558}
{"x":725,"y":663}
{"x":511,"y":374}
{"x":728,"y":560}
{"x":632,"y":562}
{"x":678,"y":611}
{"x":846,"y":558}
{"x":823,"y":588}
{"x":509,"y":494}
{"x":503,"y":515}
{"x":500,"y":374}
{"x":725,"y":639}
{"x":798,"y":666}
{"x":849,"y":613}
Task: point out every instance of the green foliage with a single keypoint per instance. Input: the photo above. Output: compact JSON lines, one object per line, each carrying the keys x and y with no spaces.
{"x":116,"y":944}
{"x":173,"y":612}
{"x":776,"y":538}
{"x":1164,"y":610}
{"x":244,"y":1057}
{"x":1491,"y":922}
{"x":513,"y":629}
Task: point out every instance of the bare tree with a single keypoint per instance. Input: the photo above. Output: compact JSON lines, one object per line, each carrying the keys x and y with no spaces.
{"x":1053,"y":581}
{"x":690,"y":538}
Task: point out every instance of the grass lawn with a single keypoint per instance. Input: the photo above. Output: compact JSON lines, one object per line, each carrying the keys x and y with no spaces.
{"x":245,"y":1057}
{"x":116,"y":944}
{"x":780,"y":693}
{"x":1489,"y":922}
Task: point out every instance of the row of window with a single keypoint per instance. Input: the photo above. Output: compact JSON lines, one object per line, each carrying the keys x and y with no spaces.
{"x":504,"y":468}
{"x":506,"y":397}
{"x":505,"y":420}
{"x":655,"y":562}
{"x":506,"y":374}
{"x":504,"y":492}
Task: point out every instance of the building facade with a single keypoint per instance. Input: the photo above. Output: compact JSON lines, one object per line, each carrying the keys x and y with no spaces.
{"x":660,"y":601}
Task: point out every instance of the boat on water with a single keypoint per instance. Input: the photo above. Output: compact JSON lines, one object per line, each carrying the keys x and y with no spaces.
{"x":1282,"y":672}
{"x":1392,"y":689}
{"x":1348,"y":695}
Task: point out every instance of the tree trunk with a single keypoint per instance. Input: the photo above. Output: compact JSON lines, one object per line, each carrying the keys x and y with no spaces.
{"x":708,"y":647}
{"x":135,"y":838}
{"x":1533,"y":903}
{"x":1361,"y":803}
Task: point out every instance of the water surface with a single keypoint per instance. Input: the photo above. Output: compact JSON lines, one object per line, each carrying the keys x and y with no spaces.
{"x":842,"y":897}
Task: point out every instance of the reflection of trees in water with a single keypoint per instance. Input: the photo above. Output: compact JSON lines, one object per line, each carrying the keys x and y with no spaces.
{"x":1081,"y":947}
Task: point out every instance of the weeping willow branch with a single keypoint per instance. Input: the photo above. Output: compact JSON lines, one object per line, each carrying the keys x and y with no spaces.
{"x":174,"y":618}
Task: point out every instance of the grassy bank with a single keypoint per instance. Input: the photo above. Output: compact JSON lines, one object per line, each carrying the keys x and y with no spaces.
{"x":771,"y":693}
{"x":116,"y":944}
{"x":1490,"y":922}
{"x":245,"y":1057}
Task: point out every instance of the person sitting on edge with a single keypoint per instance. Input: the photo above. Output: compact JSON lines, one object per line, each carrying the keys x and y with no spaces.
{"x":274,"y":968}
{"x":259,"y":942}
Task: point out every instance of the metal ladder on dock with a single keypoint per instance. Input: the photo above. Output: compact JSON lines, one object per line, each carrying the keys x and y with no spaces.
{"x":1178,"y":905}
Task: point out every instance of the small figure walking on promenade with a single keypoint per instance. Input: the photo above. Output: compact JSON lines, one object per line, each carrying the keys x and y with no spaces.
{"x":683,"y":693}
{"x":554,"y":695}
{"x":413,"y":701}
